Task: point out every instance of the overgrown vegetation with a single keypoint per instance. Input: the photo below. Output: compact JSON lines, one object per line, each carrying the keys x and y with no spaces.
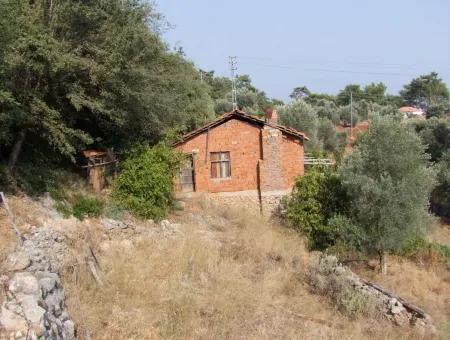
{"x":377,"y":201}
{"x":145,"y":185}
{"x":70,"y":202}
{"x":317,"y":198}
{"x":93,"y":73}
{"x":225,"y":274}
{"x":426,"y":251}
{"x":326,"y":278}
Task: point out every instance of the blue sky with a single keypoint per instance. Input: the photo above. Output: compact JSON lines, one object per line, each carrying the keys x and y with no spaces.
{"x":321,"y":44}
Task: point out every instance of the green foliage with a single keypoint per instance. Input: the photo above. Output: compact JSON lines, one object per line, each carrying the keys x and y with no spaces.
{"x":304,"y":117}
{"x":352,"y":91}
{"x":419,"y":247}
{"x":440,"y":198}
{"x":428,"y":92}
{"x":86,"y":206}
{"x":69,"y":202}
{"x":300,"y":92}
{"x":375,"y":93}
{"x":113,"y":210}
{"x":346,"y":118}
{"x":74,"y":73}
{"x":38,"y":174}
{"x":249,"y":98}
{"x":435,"y":133}
{"x":316,"y":198}
{"x":145,"y":185}
{"x":304,"y":208}
{"x":389,"y":184}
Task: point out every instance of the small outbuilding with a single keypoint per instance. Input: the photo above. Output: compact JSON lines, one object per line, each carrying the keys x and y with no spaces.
{"x":241,"y":159}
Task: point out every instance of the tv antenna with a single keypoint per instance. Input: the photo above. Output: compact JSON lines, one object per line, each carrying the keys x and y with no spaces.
{"x":233,"y":69}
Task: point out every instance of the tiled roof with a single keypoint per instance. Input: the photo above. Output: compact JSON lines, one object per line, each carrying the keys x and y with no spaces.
{"x":410,"y":109}
{"x":241,"y":115}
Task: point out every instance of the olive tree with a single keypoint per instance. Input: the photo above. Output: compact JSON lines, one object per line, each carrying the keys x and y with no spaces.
{"x":389,"y":185}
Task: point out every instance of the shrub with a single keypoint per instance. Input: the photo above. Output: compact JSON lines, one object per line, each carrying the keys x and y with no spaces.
{"x":327,"y":278}
{"x":145,"y":186}
{"x":316,"y":198}
{"x":425,"y":251}
{"x":86,"y":206}
{"x":113,"y":210}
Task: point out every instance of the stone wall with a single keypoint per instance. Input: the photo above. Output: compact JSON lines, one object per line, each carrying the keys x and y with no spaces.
{"x":271,"y":165}
{"x":268,"y":203}
{"x":324,"y":276}
{"x":33,"y":297}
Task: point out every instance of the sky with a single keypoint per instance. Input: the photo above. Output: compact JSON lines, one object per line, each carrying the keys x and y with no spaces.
{"x":324,"y":45}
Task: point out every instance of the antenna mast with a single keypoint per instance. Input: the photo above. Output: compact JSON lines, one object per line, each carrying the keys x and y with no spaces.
{"x":233,"y":68}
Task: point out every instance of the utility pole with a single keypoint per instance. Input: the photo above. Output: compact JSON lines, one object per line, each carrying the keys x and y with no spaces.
{"x":233,"y":68}
{"x":351,"y":116}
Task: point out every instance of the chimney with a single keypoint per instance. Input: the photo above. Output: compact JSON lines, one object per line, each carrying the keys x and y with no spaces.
{"x":271,"y":116}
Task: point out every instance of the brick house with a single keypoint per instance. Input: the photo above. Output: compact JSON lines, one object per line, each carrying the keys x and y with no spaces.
{"x":242,"y":159}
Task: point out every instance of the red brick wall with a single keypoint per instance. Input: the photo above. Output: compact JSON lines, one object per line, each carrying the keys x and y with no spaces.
{"x":243,"y":141}
{"x":293,"y":154}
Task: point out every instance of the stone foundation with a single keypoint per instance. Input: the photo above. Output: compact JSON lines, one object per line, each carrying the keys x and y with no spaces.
{"x":268,"y":203}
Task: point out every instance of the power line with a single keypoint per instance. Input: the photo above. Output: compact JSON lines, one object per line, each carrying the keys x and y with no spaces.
{"x":233,"y":68}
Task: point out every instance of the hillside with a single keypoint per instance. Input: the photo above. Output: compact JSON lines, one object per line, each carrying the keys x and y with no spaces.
{"x":210,"y":273}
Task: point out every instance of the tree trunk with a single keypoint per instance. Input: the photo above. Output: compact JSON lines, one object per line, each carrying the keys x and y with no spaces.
{"x":14,"y":156}
{"x":383,"y":263}
{"x":12,"y":161}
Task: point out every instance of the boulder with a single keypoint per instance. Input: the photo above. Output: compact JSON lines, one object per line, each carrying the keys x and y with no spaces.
{"x":24,"y":283}
{"x":110,"y":224}
{"x":32,"y":311}
{"x":17,"y":261}
{"x":11,"y":321}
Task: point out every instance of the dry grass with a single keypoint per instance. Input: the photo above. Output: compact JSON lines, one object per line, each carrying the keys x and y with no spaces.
{"x":8,"y":238}
{"x":426,"y":286}
{"x":241,"y":278}
{"x":441,"y":234}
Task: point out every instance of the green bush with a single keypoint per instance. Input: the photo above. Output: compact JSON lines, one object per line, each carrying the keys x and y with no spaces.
{"x":113,"y":210}
{"x":418,"y":247}
{"x":145,"y":186}
{"x":86,"y":206}
{"x":317,"y":197}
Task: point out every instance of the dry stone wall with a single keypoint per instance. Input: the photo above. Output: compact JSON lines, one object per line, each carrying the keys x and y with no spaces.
{"x":33,"y":298}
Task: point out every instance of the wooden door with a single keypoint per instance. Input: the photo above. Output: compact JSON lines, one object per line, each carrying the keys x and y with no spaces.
{"x":187,"y":176}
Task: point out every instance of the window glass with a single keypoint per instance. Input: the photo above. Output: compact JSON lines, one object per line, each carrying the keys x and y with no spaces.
{"x":220,"y":164}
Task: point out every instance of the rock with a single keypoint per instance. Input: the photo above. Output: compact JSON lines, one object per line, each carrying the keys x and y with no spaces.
{"x":164,"y":224}
{"x":395,"y":307}
{"x":32,"y":311}
{"x":69,"y":329}
{"x":17,"y":261}
{"x":24,"y":283}
{"x":35,"y":303}
{"x":47,"y":285}
{"x":11,"y":321}
{"x":110,"y":224}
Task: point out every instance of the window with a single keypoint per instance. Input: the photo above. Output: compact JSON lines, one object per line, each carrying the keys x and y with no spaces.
{"x":220,"y":165}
